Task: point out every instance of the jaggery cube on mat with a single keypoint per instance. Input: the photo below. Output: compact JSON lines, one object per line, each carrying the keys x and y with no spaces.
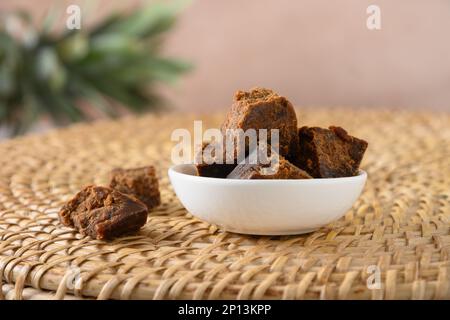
{"x":140,"y":182}
{"x":103,"y":213}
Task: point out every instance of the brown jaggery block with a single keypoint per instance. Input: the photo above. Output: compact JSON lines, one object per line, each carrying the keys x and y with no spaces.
{"x":281,"y":170}
{"x":140,"y":182}
{"x":329,"y":153}
{"x":214,"y":170}
{"x":103,"y":213}
{"x":264,"y":109}
{"x":209,"y":165}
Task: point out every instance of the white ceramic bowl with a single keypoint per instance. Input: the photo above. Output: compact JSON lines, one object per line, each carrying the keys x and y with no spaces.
{"x":265,"y":207}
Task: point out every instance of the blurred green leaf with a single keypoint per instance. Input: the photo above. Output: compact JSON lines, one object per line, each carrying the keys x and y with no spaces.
{"x":30,"y":112}
{"x":146,"y":22}
{"x":153,"y":68}
{"x":6,"y":81}
{"x":53,"y":14}
{"x":3,"y":111}
{"x":73,"y":47}
{"x":49,"y":68}
{"x":114,"y":42}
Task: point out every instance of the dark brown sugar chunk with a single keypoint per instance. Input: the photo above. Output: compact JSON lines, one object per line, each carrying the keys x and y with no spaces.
{"x":214,"y":170}
{"x":140,"y":182}
{"x":103,"y":213}
{"x":209,"y":164}
{"x":282,"y":170}
{"x":329,"y":153}
{"x":262,"y":108}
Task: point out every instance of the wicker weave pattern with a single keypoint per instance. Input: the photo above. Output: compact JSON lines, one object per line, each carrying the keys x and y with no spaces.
{"x":400,"y":223}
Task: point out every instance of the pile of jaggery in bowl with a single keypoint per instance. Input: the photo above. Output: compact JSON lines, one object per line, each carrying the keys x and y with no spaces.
{"x":316,"y":178}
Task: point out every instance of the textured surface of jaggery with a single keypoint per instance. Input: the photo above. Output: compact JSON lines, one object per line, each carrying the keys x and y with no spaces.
{"x":283,"y":170}
{"x":208,"y":164}
{"x":329,"y":153}
{"x":214,"y":170}
{"x":103,"y":213}
{"x":264,"y":109}
{"x":140,"y":182}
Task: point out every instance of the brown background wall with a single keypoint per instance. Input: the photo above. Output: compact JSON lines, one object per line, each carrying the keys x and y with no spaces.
{"x":316,"y":52}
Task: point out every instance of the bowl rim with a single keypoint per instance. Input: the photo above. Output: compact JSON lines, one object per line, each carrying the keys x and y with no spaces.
{"x":362,"y":175}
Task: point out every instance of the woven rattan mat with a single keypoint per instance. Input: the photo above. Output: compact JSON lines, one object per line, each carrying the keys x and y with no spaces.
{"x":399,"y":226}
